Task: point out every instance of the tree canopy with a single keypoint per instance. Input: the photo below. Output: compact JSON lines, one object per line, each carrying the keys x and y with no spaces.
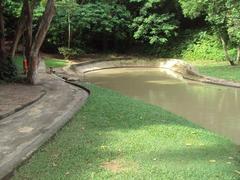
{"x":117,"y":25}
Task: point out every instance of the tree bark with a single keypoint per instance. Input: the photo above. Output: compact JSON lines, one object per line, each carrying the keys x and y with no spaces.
{"x":238,"y":55}
{"x":69,"y":30}
{"x":38,"y":40}
{"x":20,"y":29}
{"x":28,"y":32}
{"x":23,"y":21}
{"x":227,"y":57}
{"x":2,"y":34}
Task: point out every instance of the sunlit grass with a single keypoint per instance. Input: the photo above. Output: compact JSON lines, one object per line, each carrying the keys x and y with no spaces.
{"x":116,"y":137}
{"x":50,"y":62}
{"x":55,"y":63}
{"x":220,"y":69}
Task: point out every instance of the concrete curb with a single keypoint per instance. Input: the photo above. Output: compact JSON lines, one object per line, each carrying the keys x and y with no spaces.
{"x":23,"y":106}
{"x":27,"y":146}
{"x":178,"y":66}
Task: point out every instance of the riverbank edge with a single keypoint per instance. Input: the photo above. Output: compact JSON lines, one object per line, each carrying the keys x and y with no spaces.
{"x":181,"y":67}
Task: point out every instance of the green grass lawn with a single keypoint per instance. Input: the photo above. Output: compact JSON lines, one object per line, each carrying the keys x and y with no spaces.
{"x":218,"y":69}
{"x":55,"y":63}
{"x":116,"y":137}
{"x":50,"y":62}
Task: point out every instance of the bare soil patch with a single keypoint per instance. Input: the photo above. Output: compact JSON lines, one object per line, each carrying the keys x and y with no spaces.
{"x":117,"y":166}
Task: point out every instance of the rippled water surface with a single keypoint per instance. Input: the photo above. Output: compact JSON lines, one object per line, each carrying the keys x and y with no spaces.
{"x":214,"y":107}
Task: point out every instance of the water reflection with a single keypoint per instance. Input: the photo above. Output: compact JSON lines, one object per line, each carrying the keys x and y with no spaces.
{"x":213,"y":107}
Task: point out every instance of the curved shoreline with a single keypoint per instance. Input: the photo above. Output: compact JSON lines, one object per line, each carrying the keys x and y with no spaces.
{"x":178,"y":66}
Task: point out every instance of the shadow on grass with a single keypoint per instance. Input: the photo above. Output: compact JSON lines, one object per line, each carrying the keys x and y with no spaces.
{"x":113,"y":127}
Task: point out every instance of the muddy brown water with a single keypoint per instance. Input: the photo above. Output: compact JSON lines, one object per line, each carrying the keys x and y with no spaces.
{"x":216,"y":108}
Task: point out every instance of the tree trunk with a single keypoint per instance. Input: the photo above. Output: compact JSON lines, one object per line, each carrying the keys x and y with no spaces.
{"x":21,"y":24}
{"x":69,"y":30}
{"x":227,"y":57}
{"x":28,"y":26}
{"x":20,"y":29}
{"x":38,"y":40}
{"x":2,"y":34}
{"x":238,"y":55}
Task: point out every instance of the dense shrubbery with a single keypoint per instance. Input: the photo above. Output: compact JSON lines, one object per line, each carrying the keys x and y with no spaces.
{"x":70,"y":53}
{"x":205,"y":46}
{"x":8,"y":70}
{"x":193,"y":45}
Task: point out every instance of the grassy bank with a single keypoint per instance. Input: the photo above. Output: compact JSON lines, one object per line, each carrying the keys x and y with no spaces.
{"x":220,"y":69}
{"x":114,"y":136}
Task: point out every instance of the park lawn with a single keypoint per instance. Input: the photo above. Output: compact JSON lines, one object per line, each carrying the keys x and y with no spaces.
{"x":117,"y":137}
{"x":50,"y":62}
{"x":220,"y":69}
{"x":55,"y":63}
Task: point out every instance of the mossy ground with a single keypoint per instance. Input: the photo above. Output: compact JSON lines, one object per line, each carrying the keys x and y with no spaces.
{"x":116,"y":137}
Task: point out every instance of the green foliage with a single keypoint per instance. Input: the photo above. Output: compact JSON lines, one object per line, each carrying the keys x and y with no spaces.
{"x":155,"y":29}
{"x":233,"y":22}
{"x":205,"y":46}
{"x":152,"y":26}
{"x":89,"y":21}
{"x":8,"y":70}
{"x":70,"y":53}
{"x":223,"y":15}
{"x":193,"y":8}
{"x":13,"y":7}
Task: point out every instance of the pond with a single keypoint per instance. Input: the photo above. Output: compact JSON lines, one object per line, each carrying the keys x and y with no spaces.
{"x":213,"y":107}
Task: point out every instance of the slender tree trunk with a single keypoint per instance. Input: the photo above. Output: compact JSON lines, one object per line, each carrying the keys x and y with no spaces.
{"x":38,"y":40}
{"x":227,"y":57}
{"x":69,"y":31}
{"x":20,"y":29}
{"x":238,"y":55}
{"x":22,"y":24}
{"x":2,"y":34}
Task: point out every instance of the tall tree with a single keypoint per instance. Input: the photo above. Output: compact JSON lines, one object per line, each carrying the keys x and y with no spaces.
{"x":35,"y":44}
{"x":219,"y":14}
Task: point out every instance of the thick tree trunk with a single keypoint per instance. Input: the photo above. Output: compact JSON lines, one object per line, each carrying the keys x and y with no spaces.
{"x":2,"y":36}
{"x":28,"y":33}
{"x":38,"y":40}
{"x":227,"y":57}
